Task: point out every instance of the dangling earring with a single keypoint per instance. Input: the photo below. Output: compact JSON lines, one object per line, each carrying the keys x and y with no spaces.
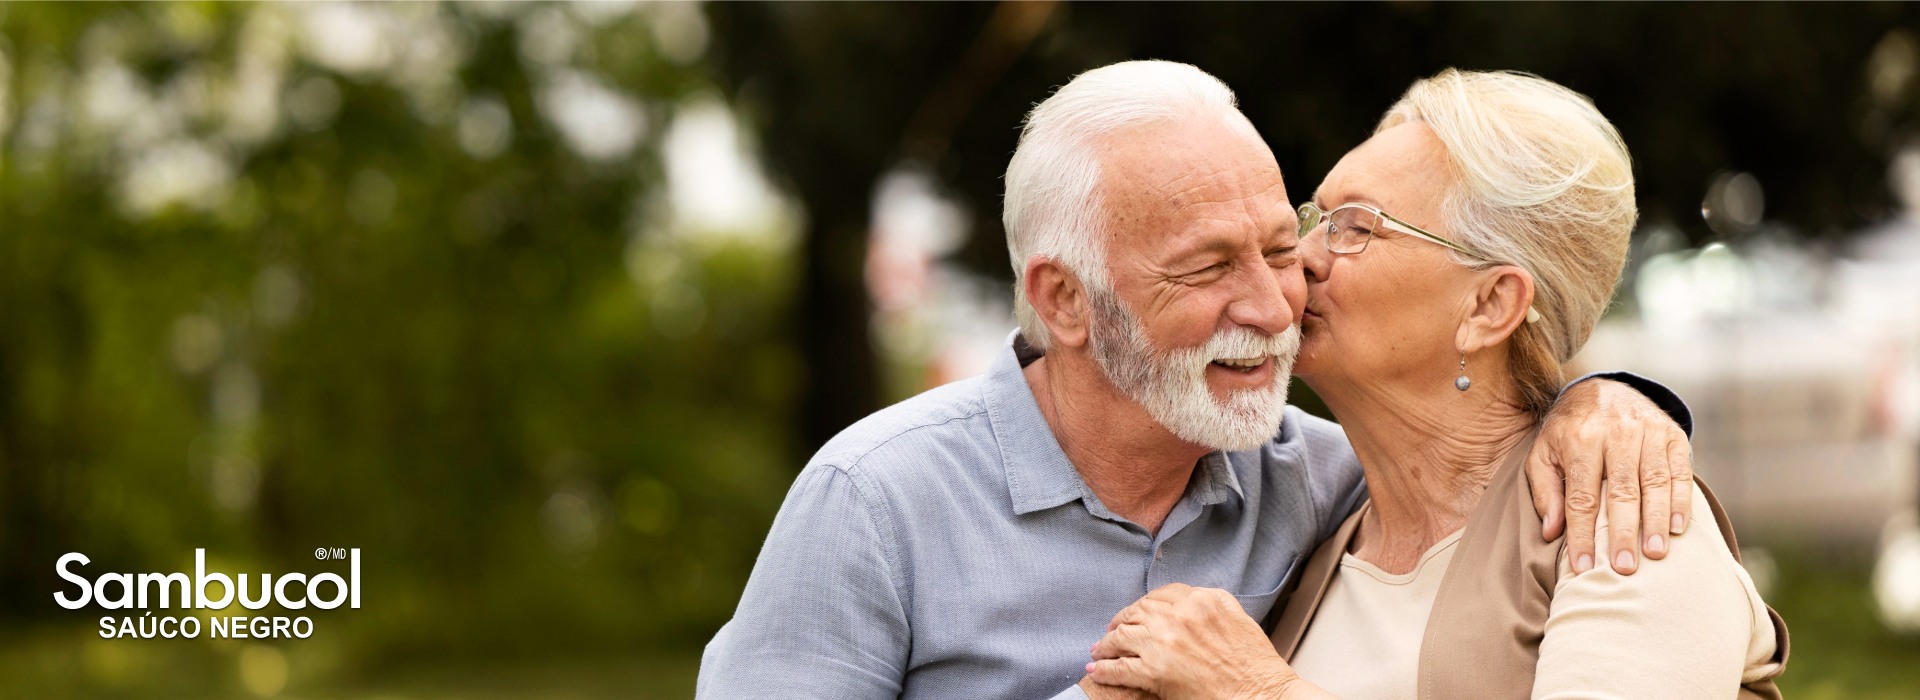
{"x":1462,"y":382}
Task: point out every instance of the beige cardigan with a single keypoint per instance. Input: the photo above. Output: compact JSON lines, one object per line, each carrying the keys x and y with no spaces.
{"x":1483,"y":635}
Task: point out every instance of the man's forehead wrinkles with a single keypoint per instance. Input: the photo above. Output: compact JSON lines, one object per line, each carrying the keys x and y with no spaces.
{"x":1232,"y":213}
{"x":1202,"y":190}
{"x":1192,"y":176}
{"x":1196,"y":195}
{"x":1232,"y":209}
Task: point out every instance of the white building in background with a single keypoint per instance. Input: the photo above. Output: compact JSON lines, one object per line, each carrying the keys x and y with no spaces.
{"x":1804,"y":417}
{"x":1880,"y":288}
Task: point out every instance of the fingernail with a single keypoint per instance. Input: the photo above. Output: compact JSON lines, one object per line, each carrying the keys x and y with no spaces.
{"x":1679,"y":524}
{"x":1584,"y":563}
{"x":1657,"y":544}
{"x":1623,"y":562}
{"x":1089,"y":667}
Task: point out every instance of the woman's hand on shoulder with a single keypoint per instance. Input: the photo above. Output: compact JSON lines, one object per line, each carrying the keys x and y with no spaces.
{"x":1606,"y":445}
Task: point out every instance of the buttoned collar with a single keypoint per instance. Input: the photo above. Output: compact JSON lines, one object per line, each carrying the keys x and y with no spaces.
{"x":1039,"y":475}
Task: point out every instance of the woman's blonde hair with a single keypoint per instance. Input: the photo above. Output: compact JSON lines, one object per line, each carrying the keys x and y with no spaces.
{"x":1545,"y":184}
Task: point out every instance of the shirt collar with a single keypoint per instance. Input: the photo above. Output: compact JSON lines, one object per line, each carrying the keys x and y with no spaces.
{"x":1214,"y":479}
{"x":1039,"y":476}
{"x":1038,"y":473}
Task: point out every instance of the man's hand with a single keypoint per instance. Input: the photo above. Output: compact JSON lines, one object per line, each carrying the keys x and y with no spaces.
{"x":1602,"y":431}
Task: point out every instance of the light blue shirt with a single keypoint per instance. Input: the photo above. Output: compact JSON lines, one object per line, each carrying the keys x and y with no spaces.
{"x":945,"y":548}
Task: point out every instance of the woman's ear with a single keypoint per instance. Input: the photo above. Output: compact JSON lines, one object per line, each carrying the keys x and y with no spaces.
{"x":1058,"y":301}
{"x":1501,"y":298}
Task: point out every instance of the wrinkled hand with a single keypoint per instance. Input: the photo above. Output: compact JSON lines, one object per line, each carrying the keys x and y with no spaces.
{"x":1602,"y":431}
{"x":1184,"y":642}
{"x":1096,"y":691}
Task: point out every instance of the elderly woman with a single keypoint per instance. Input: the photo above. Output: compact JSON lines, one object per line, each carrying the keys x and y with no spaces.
{"x":1454,"y":262}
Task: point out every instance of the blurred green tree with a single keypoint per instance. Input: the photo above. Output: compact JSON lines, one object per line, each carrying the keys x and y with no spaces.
{"x":399,"y":277}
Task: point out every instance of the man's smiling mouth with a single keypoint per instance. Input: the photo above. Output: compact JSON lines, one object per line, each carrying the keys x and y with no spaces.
{"x":1242,"y":364}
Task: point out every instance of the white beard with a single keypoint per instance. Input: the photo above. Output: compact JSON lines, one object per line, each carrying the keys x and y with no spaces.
{"x":1172,"y":385}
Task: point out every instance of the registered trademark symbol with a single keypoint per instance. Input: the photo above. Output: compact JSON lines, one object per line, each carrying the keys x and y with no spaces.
{"x":319,"y":552}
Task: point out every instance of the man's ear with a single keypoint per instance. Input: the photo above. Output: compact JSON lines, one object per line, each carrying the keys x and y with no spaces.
{"x":1058,"y":301}
{"x":1499,"y":305}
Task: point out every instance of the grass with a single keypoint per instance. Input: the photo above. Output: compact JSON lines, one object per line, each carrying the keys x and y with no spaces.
{"x":57,"y":666}
{"x":1840,"y":649}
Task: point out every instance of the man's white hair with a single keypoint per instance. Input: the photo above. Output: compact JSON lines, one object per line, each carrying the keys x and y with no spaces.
{"x":1052,"y":206}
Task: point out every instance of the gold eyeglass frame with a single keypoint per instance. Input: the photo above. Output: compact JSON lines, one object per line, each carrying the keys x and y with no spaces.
{"x":1312,"y":216}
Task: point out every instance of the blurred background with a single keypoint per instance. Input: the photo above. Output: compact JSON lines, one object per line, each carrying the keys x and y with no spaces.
{"x":543,"y":306}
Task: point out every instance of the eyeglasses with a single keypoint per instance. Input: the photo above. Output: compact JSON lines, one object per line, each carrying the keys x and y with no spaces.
{"x":1350,"y":227}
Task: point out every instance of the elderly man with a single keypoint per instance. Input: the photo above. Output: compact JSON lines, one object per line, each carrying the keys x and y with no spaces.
{"x":975,"y":540}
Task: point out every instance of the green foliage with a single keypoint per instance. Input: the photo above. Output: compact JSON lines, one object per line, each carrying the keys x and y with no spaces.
{"x":552,"y":418}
